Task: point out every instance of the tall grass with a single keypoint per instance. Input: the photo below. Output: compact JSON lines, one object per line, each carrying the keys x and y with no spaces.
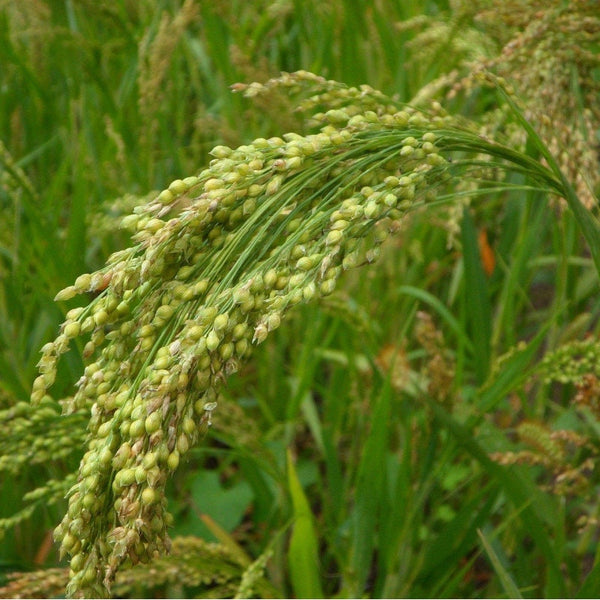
{"x":399,"y":439}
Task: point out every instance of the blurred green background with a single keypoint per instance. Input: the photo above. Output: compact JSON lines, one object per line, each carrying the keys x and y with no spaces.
{"x":437,"y":453}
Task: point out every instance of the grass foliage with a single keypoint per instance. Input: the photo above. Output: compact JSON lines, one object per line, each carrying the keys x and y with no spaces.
{"x":426,"y":425}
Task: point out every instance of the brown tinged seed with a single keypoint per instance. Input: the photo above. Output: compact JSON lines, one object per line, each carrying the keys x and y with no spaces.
{"x":157,"y":524}
{"x":202,"y":380}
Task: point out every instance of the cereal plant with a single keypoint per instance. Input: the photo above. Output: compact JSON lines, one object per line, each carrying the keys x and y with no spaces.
{"x":279,"y":232}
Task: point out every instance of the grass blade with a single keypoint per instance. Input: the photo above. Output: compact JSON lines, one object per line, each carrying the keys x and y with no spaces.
{"x":479,"y":311}
{"x":591,"y":585}
{"x":506,"y":580}
{"x":441,"y":310}
{"x":303,"y":554}
{"x":370,"y":491}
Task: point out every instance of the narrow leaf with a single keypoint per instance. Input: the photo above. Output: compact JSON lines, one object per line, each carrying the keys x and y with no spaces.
{"x":506,"y":580}
{"x":303,"y":556}
{"x":479,"y":311}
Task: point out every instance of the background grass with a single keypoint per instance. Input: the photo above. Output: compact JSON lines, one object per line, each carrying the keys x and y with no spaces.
{"x":361,"y":459}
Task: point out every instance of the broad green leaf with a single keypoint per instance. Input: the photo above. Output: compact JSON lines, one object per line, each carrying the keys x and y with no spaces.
{"x":226,"y":506}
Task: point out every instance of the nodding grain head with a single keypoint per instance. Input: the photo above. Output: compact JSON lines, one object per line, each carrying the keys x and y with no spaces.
{"x":200,"y":287}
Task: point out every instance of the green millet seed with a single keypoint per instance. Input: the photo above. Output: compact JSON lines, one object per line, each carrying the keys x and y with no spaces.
{"x":125,"y":477}
{"x":334,"y":237}
{"x":166,"y":197}
{"x":189,"y":426}
{"x":241,"y":347}
{"x":213,"y":340}
{"x":83,"y":282}
{"x":141,"y":474}
{"x":100,"y":317}
{"x":77,"y":562}
{"x":305,"y":263}
{"x":220,"y":322}
{"x":178,"y":187}
{"x":173,"y":460}
{"x":273,"y":321}
{"x":149,"y":497}
{"x":73,"y":329}
{"x":137,"y":429}
{"x":150,"y":460}
{"x":153,"y":422}
{"x":226,"y":351}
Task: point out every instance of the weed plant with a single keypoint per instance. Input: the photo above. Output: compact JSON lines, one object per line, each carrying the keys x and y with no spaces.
{"x":352,"y":352}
